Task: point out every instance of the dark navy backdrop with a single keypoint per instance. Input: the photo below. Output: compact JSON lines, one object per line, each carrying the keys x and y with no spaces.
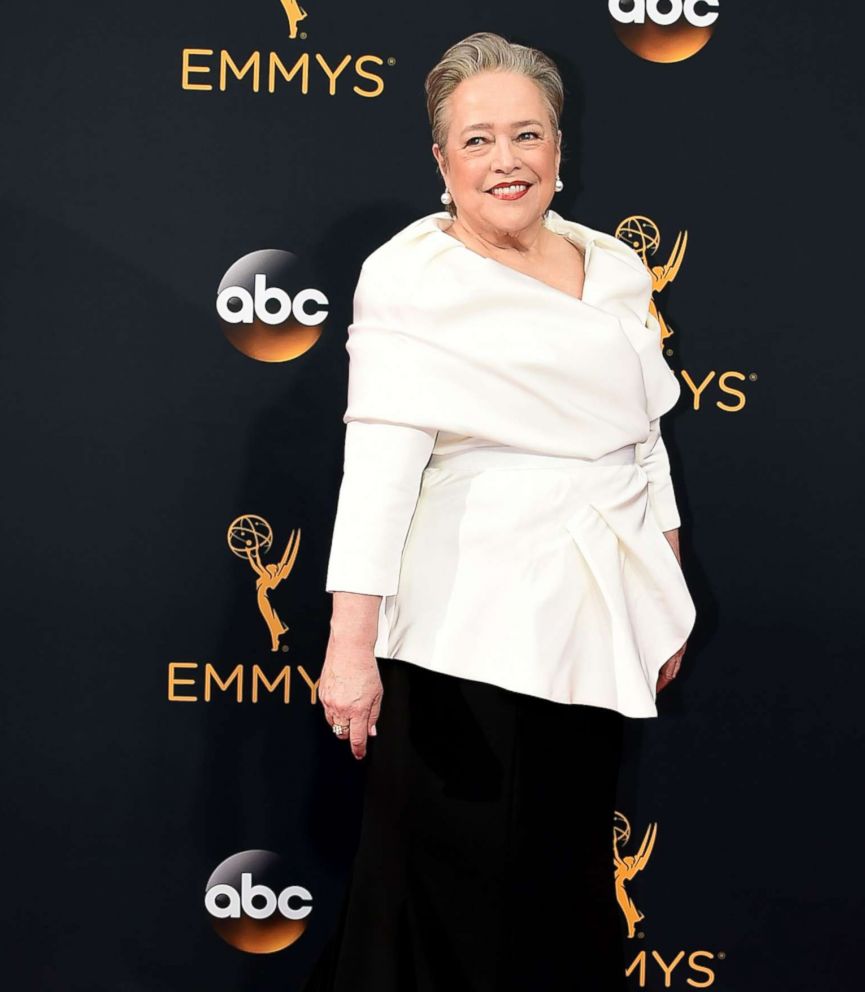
{"x":134,"y":434}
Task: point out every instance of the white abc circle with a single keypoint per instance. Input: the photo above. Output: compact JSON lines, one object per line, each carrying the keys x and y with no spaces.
{"x":642,"y":8}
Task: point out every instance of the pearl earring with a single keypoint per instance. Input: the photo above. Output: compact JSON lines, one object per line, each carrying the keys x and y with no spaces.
{"x":446,"y":197}
{"x":559,"y":186}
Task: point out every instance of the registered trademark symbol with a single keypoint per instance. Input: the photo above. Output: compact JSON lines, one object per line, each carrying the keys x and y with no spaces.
{"x":752,"y":376}
{"x":721,"y":955}
{"x":303,"y":35}
{"x":669,"y":351}
{"x":285,"y":647}
{"x":641,"y":934}
{"x":391,"y":60}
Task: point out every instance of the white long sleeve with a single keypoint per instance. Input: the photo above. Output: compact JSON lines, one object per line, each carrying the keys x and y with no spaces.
{"x":653,"y":456}
{"x":381,"y":481}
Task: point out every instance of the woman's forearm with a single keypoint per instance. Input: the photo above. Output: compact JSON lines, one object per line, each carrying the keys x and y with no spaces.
{"x":354,"y":619}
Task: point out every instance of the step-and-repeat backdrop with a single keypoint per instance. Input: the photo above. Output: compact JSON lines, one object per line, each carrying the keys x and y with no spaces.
{"x":188,"y":192}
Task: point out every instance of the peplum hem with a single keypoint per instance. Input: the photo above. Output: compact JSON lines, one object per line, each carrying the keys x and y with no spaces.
{"x":581,"y":603}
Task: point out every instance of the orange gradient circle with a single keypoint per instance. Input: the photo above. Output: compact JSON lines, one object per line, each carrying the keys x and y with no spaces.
{"x":255,"y":903}
{"x":269,"y":306}
{"x":664,"y":30}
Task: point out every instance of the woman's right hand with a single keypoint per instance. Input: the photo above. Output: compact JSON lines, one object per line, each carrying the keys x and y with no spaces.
{"x":350,"y":687}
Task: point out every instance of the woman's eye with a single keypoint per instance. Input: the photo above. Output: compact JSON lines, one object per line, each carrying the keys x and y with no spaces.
{"x":478,"y":137}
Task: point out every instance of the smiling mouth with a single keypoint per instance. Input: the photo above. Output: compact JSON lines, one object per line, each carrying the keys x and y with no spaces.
{"x":508,"y":191}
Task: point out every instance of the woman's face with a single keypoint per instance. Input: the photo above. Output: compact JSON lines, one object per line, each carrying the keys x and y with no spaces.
{"x":499,"y":133}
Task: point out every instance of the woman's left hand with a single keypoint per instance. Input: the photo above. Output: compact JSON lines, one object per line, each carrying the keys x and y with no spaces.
{"x":670,"y":669}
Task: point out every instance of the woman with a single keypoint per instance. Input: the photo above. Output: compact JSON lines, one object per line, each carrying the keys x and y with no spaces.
{"x":504,"y":567}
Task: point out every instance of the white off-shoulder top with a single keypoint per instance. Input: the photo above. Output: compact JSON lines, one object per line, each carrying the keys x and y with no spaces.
{"x":505,"y":484}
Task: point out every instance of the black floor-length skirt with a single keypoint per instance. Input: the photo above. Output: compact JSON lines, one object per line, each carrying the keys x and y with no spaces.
{"x":485,"y":860}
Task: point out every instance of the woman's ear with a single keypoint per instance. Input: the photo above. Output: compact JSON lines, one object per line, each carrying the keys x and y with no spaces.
{"x":437,"y":155}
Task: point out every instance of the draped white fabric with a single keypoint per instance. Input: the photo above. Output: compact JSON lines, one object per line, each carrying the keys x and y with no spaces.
{"x":505,"y":482}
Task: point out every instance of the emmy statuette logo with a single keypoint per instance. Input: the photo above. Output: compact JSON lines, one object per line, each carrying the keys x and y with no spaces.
{"x":249,"y":537}
{"x":643,"y":235}
{"x":628,"y":866}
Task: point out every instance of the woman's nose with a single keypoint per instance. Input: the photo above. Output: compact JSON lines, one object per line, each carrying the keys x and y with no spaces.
{"x":503,"y":156}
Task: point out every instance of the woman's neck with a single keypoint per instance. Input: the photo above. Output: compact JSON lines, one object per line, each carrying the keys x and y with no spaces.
{"x":529,"y":242}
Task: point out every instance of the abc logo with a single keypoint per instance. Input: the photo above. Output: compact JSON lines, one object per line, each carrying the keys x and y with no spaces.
{"x":254,"y":905}
{"x":664,"y":30}
{"x":263,"y":313}
{"x":664,"y":11}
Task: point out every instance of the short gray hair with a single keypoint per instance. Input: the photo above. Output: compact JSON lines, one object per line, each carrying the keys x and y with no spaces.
{"x":488,"y":52}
